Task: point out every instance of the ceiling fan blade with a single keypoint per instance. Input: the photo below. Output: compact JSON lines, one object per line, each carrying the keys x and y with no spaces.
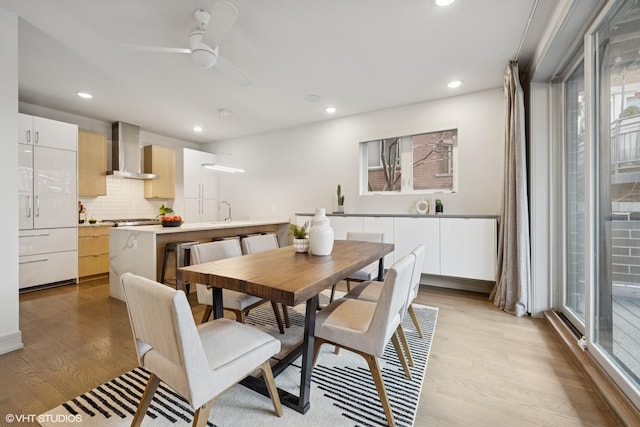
{"x":156,"y":49}
{"x":233,"y":72}
{"x":223,"y":17}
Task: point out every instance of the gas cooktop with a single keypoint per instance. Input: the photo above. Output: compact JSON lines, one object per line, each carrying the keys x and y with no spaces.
{"x":132,"y":221}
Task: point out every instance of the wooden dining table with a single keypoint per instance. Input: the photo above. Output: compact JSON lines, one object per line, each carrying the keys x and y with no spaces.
{"x":285,"y":276}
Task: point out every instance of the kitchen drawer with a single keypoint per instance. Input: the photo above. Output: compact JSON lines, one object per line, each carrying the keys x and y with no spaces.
{"x":93,"y":231}
{"x":47,"y":240}
{"x":93,"y":245}
{"x":46,"y":268}
{"x":92,"y":265}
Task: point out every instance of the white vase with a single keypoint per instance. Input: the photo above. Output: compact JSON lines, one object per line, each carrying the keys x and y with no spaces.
{"x":320,"y":234}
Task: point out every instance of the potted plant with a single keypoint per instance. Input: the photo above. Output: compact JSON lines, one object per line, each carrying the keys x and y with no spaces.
{"x":439,"y":206}
{"x":340,"y":200}
{"x":300,"y":235}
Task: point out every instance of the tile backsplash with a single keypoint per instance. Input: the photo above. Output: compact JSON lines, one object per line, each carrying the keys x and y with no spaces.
{"x":124,"y":199}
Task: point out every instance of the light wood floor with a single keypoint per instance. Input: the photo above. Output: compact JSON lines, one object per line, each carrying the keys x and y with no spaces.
{"x":486,"y":368}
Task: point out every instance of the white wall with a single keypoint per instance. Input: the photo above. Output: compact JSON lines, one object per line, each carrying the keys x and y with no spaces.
{"x":10,"y":336}
{"x":297,"y":170}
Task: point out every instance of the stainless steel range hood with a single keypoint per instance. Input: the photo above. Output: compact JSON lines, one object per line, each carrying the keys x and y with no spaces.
{"x":126,"y":152}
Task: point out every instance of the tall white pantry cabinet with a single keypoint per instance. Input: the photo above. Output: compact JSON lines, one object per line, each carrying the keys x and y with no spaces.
{"x":48,"y":202}
{"x":200,"y":186}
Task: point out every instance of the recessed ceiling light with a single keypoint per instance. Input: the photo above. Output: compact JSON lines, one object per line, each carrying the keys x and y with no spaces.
{"x":330,"y":110}
{"x":197,"y":129}
{"x":84,"y":95}
{"x":454,"y":84}
{"x":443,"y":2}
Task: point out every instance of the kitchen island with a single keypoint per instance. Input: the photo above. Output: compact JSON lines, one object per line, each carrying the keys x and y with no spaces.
{"x":140,"y":249}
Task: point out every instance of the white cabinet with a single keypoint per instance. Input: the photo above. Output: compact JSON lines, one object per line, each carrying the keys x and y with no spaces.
{"x":384,"y":225}
{"x":410,"y":232}
{"x":468,"y":248}
{"x":47,"y":133}
{"x":200,"y":186}
{"x":463,"y":247}
{"x":343,"y":224}
{"x":48,"y":201}
{"x":48,"y":188}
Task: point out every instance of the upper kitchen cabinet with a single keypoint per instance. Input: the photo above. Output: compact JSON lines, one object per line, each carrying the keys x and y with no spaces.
{"x":92,"y":164}
{"x":200,"y":186}
{"x":43,"y":132}
{"x":162,"y":161}
{"x":199,"y":182}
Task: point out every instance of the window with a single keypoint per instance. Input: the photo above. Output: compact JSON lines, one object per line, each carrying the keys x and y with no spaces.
{"x":415,"y":163}
{"x":615,"y":80}
{"x":574,"y":183}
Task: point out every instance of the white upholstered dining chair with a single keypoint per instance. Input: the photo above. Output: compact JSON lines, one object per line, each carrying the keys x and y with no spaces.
{"x":237,"y":302}
{"x":199,"y":362}
{"x":370,"y":291}
{"x":365,"y":327}
{"x":260,"y":243}
{"x":370,"y":272}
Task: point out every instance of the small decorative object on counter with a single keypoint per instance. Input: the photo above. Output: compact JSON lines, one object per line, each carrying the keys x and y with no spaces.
{"x":164,"y":210}
{"x":92,"y":220}
{"x":340,"y":200}
{"x":300,"y":236}
{"x":82,"y":213}
{"x":171,"y":221}
{"x":422,"y":207}
{"x":320,"y":234}
{"x":439,"y":206}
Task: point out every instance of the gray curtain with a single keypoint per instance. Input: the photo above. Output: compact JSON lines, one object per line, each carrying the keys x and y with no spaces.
{"x":513,"y":276}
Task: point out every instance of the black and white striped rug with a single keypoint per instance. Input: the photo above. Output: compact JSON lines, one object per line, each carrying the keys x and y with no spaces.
{"x":342,"y":393}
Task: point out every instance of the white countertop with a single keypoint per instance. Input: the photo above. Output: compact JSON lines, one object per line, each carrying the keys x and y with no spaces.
{"x":197,"y":226}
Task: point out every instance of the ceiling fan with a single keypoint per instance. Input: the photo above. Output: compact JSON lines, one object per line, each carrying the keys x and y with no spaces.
{"x":224,"y":17}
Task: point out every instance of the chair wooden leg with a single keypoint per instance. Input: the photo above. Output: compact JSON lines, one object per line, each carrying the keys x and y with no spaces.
{"x":207,"y":312}
{"x":412,"y":313}
{"x":145,"y":401}
{"x":285,"y":313}
{"x":201,"y":416}
{"x":376,"y":373}
{"x":271,"y":387}
{"x":348,"y":286}
{"x":400,"y":353}
{"x":276,"y":312}
{"x":405,"y":345}
{"x":333,"y":292}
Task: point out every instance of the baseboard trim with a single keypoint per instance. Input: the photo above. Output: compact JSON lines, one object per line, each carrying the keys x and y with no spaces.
{"x":11,"y":342}
{"x":621,"y":407}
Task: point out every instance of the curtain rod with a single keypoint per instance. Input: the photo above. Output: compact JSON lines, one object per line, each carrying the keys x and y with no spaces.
{"x":526,"y":29}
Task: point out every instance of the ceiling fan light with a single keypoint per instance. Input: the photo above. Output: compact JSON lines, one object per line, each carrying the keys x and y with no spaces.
{"x":204,"y":57}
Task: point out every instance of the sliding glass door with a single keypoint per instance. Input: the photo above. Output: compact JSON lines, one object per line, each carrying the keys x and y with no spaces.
{"x":573,"y":298}
{"x":614,"y":82}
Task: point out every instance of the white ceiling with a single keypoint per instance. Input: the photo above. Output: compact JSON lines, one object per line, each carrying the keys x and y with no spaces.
{"x":358,"y":55}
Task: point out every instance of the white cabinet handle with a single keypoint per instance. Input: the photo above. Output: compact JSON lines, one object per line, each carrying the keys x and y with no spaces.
{"x":37,"y":205}
{"x":37,"y":137}
{"x":28,"y":136}
{"x":34,"y":260}
{"x":36,"y":235}
{"x":28,"y":206}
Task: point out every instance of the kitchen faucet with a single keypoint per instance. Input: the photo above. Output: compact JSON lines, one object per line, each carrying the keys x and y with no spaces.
{"x":228,"y":217}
